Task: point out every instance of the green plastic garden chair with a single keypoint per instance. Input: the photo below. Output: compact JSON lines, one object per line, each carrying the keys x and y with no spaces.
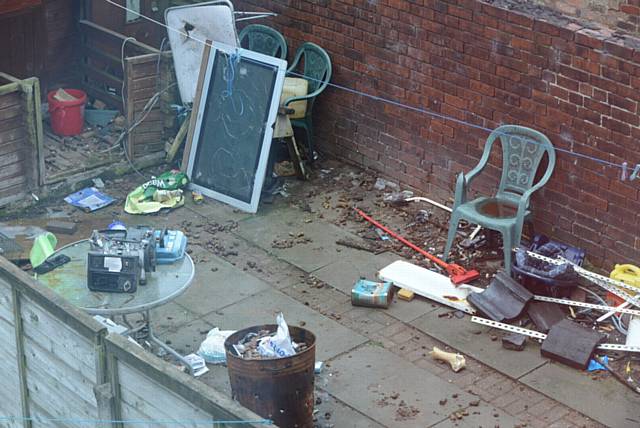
{"x":522,"y":151}
{"x":264,"y":40}
{"x":317,"y":71}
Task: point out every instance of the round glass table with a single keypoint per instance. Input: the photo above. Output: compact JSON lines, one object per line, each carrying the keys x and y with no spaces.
{"x":165,"y":284}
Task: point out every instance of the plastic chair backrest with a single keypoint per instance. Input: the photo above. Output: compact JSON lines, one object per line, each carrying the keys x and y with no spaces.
{"x":317,"y":66}
{"x":522,"y":152}
{"x":264,"y":40}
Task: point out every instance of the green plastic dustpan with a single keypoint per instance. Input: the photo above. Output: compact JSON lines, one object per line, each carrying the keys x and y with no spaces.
{"x":43,"y":246}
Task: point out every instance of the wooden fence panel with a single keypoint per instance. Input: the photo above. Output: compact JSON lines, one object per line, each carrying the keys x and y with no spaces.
{"x":58,"y":369}
{"x":10,"y":392}
{"x":60,"y":362}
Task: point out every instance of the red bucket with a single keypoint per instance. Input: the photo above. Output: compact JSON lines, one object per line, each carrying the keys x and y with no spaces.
{"x":67,"y":117}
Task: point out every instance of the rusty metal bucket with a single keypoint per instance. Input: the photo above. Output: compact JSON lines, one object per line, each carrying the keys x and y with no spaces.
{"x":280,"y":389}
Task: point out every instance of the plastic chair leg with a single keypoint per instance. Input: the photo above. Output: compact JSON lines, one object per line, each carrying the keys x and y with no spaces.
{"x":453,"y":228}
{"x":507,"y":246}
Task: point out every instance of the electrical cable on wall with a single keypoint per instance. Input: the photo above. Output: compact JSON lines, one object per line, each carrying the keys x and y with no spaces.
{"x":623,"y":166}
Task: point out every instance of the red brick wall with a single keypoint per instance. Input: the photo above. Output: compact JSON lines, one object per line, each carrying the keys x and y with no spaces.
{"x":487,"y":66}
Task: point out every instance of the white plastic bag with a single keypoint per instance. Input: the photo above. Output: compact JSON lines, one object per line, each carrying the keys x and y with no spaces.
{"x":280,"y":345}
{"x":212,"y":348}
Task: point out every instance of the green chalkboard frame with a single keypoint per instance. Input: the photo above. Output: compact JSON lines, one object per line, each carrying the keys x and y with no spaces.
{"x":218,"y":57}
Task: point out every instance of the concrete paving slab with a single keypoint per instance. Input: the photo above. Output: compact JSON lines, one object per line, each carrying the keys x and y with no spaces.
{"x":605,"y":400}
{"x":369,"y":377}
{"x":186,"y":338}
{"x":217,"y":283}
{"x":334,"y":413}
{"x":475,"y":340}
{"x":262,"y":230}
{"x":485,"y":416}
{"x":339,"y":414}
{"x":214,"y":210}
{"x":343,"y":273}
{"x":262,"y":308}
{"x":170,"y":316}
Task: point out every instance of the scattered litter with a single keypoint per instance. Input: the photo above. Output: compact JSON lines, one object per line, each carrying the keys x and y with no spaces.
{"x":383,"y":236}
{"x":62,"y":95}
{"x":429,"y":284}
{"x":43,"y":247}
{"x":504,"y":299}
{"x":595,"y":366}
{"x":457,"y":273}
{"x":372,"y":293}
{"x":545,"y":315}
{"x":117,"y":225}
{"x":197,"y":197}
{"x":317,"y":368}
{"x":51,"y":263}
{"x":197,"y":365}
{"x":633,"y":332}
{"x":398,"y":199}
{"x":456,"y":361}
{"x":405,"y":294}
{"x":212,"y":348}
{"x":382,"y":184}
{"x":64,"y":227}
{"x":514,"y":342}
{"x":164,"y":191}
{"x":89,"y":199}
{"x":112,"y":327}
{"x":98,"y":183}
{"x":359,"y":246}
{"x":570,"y":343}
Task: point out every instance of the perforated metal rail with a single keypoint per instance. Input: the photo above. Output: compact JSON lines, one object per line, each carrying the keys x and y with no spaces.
{"x":611,"y":285}
{"x":537,"y":335}
{"x":603,"y":308}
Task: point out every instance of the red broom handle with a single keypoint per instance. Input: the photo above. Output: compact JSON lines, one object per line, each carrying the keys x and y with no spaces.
{"x":401,"y":239}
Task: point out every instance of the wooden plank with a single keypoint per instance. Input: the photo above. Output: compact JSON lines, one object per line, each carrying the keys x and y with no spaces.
{"x":13,"y":170}
{"x":78,"y":386}
{"x":196,"y":107}
{"x":144,"y":82}
{"x":11,"y":95}
{"x":50,"y":395}
{"x":129,"y":110}
{"x":148,"y":126}
{"x":155,"y":115}
{"x":90,"y":51}
{"x":17,"y":299}
{"x":142,"y":94}
{"x":14,"y":146}
{"x":152,"y":398}
{"x":11,"y":158}
{"x":90,"y":26}
{"x":12,"y":135}
{"x":111,"y":100}
{"x":13,"y":123}
{"x":142,"y":70}
{"x":10,"y":112}
{"x":39,"y":134}
{"x":100,"y":76}
{"x":58,"y":338}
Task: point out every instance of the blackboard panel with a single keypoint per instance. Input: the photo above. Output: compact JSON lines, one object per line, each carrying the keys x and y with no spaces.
{"x":234,"y":126}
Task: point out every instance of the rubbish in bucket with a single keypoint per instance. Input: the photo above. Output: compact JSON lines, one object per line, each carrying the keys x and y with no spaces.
{"x":545,"y":279}
{"x":66,"y":109}
{"x":280,"y":389}
{"x":279,"y":345}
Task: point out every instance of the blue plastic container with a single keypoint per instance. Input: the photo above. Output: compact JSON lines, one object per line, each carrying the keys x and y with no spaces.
{"x":171,"y":246}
